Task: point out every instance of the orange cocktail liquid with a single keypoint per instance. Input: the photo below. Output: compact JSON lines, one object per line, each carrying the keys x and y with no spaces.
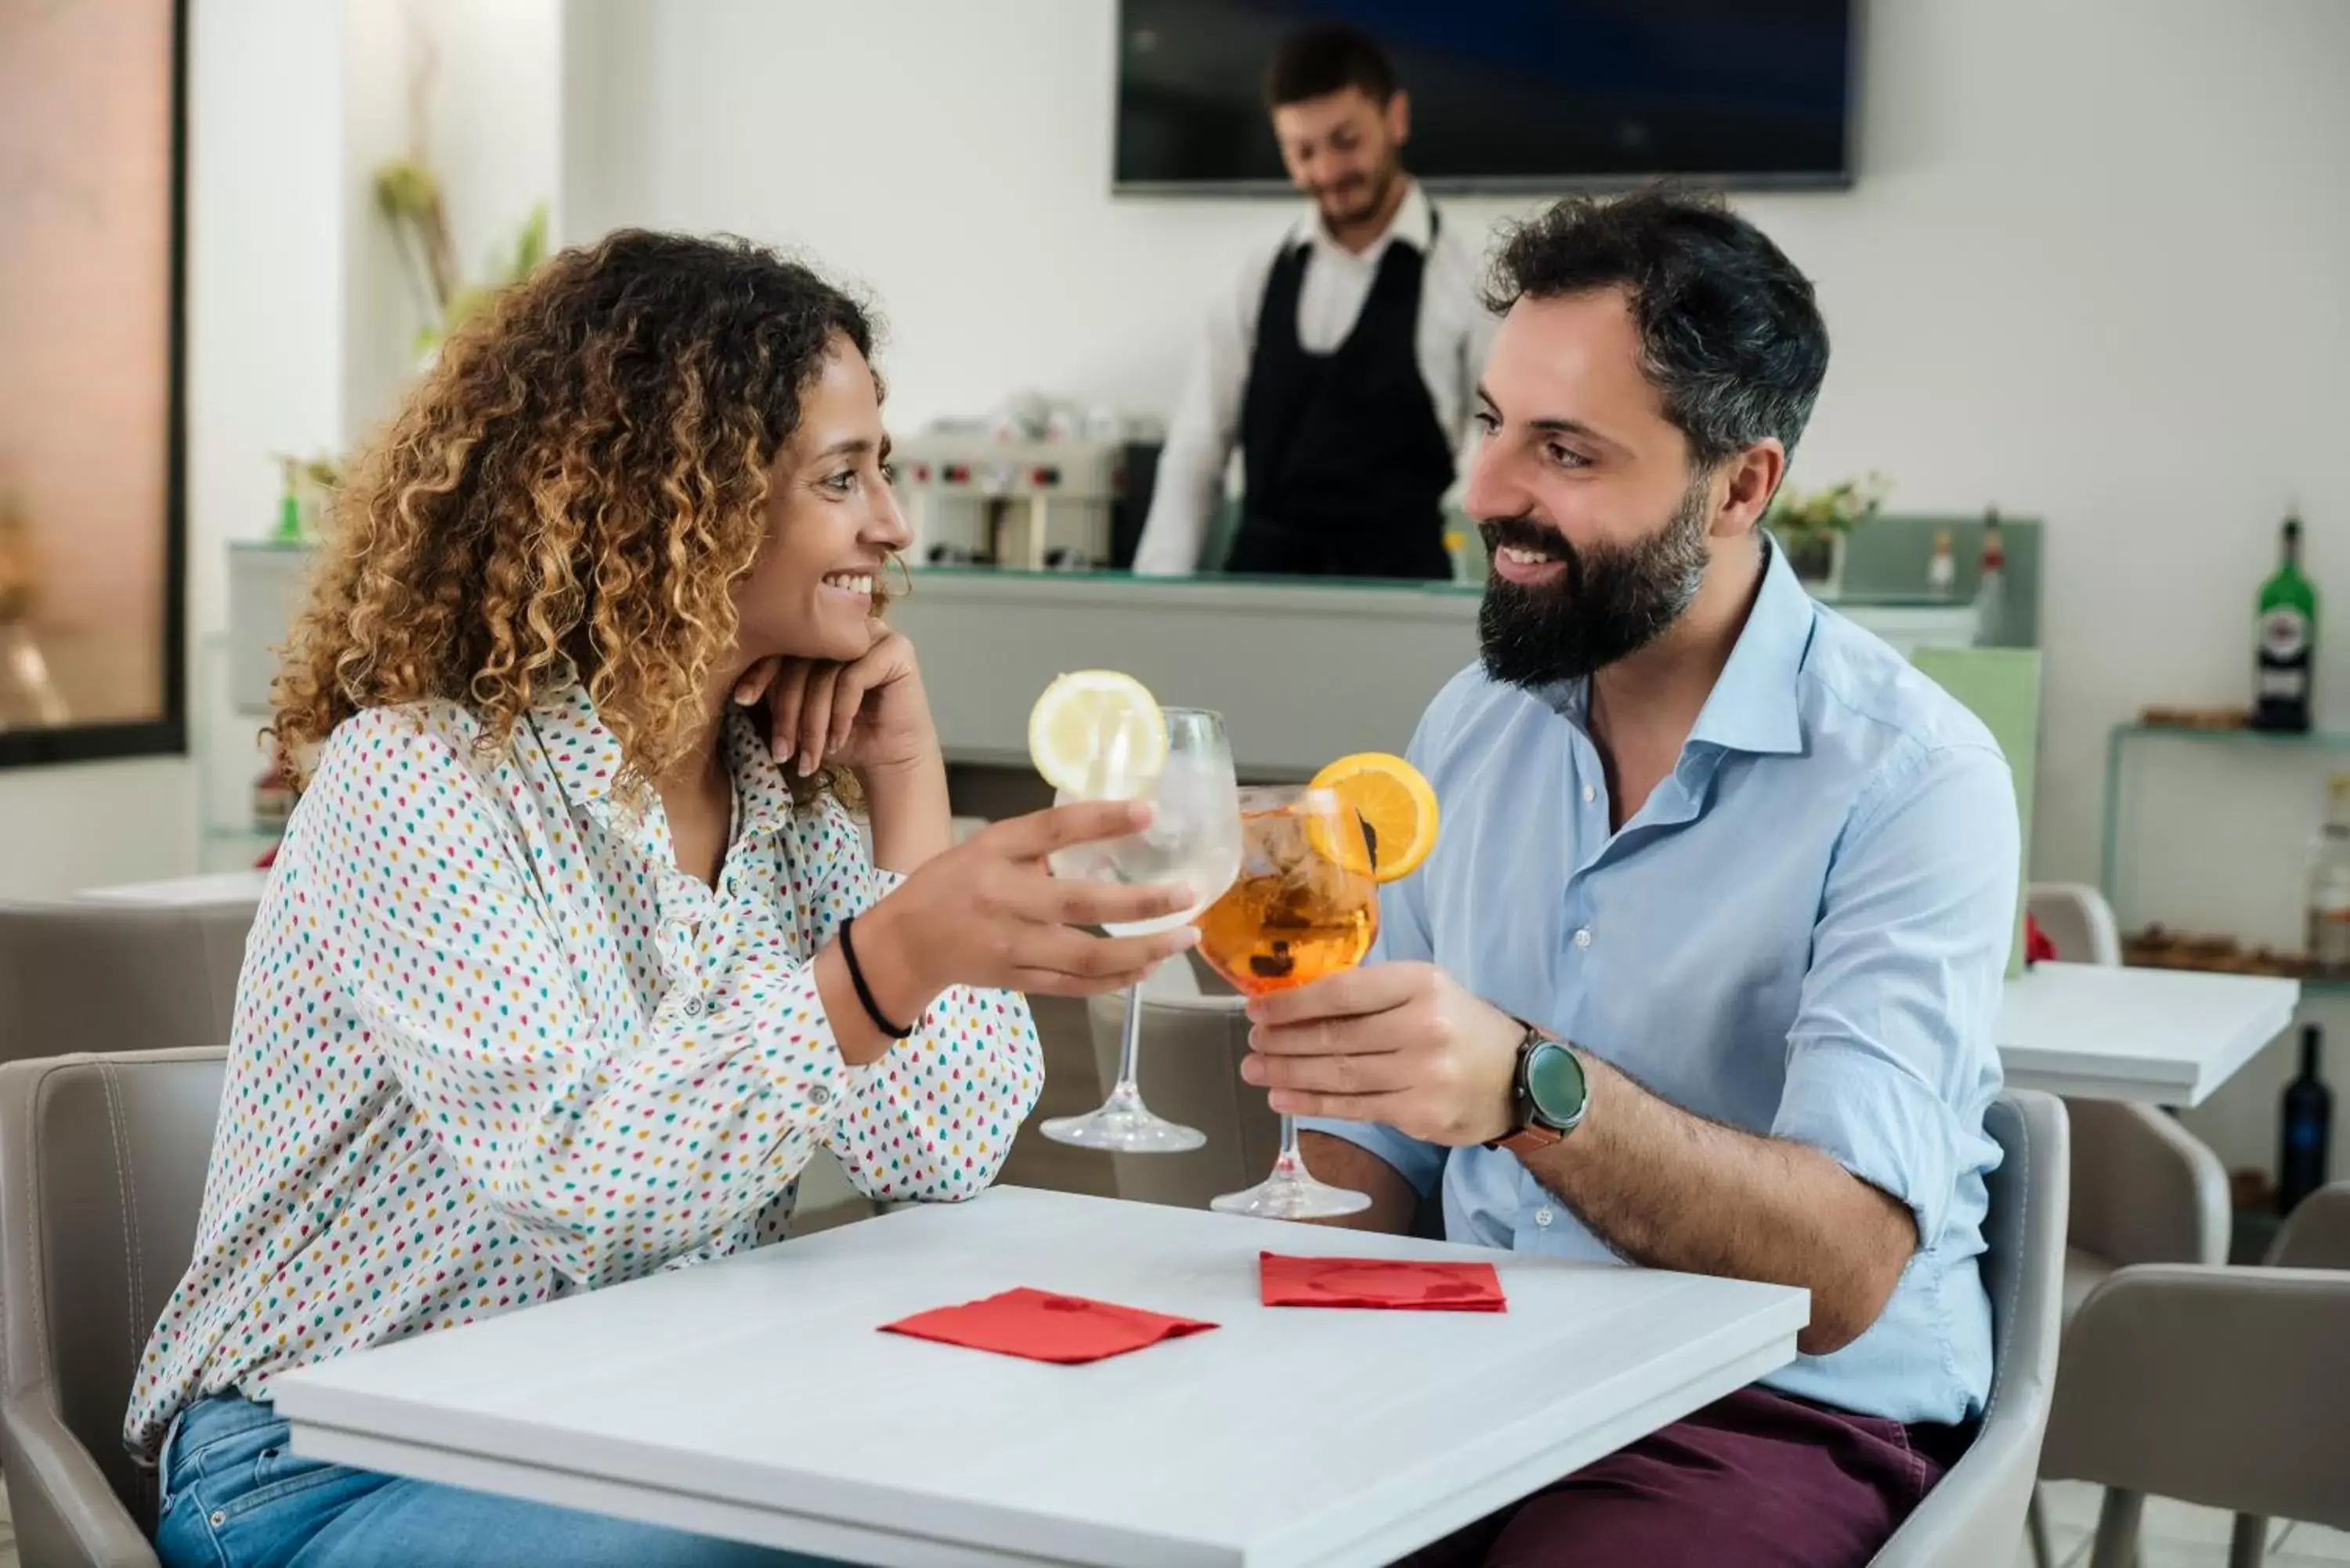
{"x":1272,"y":932}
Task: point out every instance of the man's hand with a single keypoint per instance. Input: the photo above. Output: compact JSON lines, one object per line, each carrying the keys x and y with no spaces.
{"x":1399,"y":1043}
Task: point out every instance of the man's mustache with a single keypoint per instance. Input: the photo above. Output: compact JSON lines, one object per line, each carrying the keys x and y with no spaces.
{"x":1523,"y":532}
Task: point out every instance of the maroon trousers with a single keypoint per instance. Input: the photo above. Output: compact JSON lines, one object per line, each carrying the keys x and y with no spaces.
{"x":1760,"y":1480}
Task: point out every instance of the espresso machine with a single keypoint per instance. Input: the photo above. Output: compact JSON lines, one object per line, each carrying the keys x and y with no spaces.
{"x":976,"y":497}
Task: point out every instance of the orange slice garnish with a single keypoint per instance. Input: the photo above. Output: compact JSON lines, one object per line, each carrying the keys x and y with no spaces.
{"x":1394,"y":801}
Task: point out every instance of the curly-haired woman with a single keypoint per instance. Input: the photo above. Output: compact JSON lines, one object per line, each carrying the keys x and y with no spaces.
{"x":566,"y":971}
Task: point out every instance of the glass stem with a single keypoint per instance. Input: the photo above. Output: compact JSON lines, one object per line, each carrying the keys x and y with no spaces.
{"x":1290,"y":1162}
{"x":1130,"y":1048}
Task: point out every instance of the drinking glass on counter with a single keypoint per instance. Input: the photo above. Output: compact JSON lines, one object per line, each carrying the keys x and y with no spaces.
{"x":1303,"y":906}
{"x":1193,"y":840}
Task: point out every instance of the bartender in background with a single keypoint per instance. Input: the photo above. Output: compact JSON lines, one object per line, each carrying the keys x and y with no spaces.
{"x":1344,"y":360}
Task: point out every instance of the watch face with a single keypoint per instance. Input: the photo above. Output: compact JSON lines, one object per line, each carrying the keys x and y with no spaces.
{"x":1554,"y":1084}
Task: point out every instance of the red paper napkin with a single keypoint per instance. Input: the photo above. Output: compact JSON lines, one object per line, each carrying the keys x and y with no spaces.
{"x":1042,"y":1326}
{"x":1378,"y":1282}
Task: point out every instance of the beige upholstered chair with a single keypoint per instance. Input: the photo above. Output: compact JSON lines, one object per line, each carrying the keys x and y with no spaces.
{"x":109,"y":977}
{"x":1191,"y":1051}
{"x":2145,"y":1190}
{"x":2214,"y":1385}
{"x":104,"y":1158}
{"x":1975,"y":1515}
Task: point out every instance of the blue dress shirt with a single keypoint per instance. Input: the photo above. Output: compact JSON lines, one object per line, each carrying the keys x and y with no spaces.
{"x":1803,"y":933}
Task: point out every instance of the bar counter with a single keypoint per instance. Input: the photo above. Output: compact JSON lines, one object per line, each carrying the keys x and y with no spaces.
{"x":1303,"y":669}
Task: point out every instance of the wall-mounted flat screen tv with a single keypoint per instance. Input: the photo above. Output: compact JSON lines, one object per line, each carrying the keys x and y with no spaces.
{"x":1507,"y":94}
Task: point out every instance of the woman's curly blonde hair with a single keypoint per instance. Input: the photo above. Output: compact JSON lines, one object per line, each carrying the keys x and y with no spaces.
{"x":571,"y":494}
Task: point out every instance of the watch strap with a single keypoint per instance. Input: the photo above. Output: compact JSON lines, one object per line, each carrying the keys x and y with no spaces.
{"x":1532,"y":1129}
{"x":1527,"y":1133}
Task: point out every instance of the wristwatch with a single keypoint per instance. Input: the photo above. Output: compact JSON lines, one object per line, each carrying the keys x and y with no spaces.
{"x":1548,"y":1095}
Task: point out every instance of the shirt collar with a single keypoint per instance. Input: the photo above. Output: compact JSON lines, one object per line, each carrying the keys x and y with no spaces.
{"x":1414,"y":223}
{"x":1753,"y":704}
{"x":586,"y":758}
{"x":762,"y":796}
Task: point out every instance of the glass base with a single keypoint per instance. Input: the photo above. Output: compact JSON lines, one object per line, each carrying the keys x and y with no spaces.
{"x":1291,"y":1193}
{"x":1124,"y":1124}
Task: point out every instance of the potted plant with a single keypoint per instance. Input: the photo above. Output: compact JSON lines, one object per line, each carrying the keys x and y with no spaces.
{"x":409,"y":195}
{"x":408,"y":192}
{"x":1810,"y":528}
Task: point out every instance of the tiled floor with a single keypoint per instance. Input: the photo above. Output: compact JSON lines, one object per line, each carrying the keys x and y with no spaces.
{"x":2176,"y":1534}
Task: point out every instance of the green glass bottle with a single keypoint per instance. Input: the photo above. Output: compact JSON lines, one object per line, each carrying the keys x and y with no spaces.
{"x":2288,"y":641}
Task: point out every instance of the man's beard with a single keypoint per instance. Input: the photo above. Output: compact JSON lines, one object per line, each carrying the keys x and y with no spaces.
{"x":1343,"y":204}
{"x":1609,"y":603}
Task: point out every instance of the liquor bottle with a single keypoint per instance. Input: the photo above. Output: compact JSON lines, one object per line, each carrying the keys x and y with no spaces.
{"x":2305,"y":1127}
{"x":272,"y":797}
{"x":289,"y":504}
{"x":1990,"y":587}
{"x":2288,"y":641}
{"x":2329,"y":887}
{"x":1942,"y":570}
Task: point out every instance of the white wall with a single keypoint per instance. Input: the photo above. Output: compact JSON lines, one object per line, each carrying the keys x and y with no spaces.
{"x":2097,"y":269}
{"x":264,"y":320}
{"x":491,"y":130}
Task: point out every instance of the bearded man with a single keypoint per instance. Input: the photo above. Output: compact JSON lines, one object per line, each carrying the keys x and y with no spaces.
{"x":1704,"y":969}
{"x":1342,"y":362}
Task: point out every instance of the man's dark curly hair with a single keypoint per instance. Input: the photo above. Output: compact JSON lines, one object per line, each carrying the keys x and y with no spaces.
{"x":1729,"y":333}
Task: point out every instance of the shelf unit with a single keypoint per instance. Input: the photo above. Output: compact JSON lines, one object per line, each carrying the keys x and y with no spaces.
{"x":2208,"y":830}
{"x":228,"y":754}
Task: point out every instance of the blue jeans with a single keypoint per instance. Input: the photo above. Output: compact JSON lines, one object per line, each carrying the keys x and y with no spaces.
{"x":235,"y":1497}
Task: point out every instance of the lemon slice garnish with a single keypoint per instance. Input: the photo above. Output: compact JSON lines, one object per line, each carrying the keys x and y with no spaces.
{"x":1097,"y":734}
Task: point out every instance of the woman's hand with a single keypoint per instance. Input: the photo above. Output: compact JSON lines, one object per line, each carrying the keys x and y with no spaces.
{"x":870,"y":716}
{"x":989,"y":912}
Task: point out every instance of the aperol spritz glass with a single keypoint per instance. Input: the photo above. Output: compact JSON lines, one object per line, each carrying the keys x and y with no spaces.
{"x":1305,"y":906}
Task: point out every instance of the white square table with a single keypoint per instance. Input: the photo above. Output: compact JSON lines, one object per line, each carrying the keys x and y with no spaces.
{"x":2164,"y":1037}
{"x":754,"y":1398}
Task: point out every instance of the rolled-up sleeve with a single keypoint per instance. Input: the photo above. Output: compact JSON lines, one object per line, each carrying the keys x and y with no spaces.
{"x":933,"y":1118}
{"x":1200,"y":437}
{"x":608,"y":1145}
{"x":1892,"y":1054}
{"x":613,"y":1141}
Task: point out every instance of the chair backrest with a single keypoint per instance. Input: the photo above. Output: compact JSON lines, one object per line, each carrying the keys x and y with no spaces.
{"x":2317,"y":1233}
{"x":2076,"y":919}
{"x":104,"y":977}
{"x":1191,"y":1051}
{"x":2145,"y":1190}
{"x":104,"y":1158}
{"x":1976,"y":1514}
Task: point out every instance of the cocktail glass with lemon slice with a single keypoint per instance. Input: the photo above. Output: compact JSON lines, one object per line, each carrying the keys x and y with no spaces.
{"x":1099,"y":735}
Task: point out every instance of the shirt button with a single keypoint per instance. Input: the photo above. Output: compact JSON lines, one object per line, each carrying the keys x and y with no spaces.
{"x":694,"y":1007}
{"x":1583,"y":937}
{"x":1590,"y":793}
{"x":1543,"y":1217}
{"x":819,"y":1096}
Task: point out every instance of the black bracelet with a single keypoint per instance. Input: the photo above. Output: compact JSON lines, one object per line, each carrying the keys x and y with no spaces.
{"x":864,"y":992}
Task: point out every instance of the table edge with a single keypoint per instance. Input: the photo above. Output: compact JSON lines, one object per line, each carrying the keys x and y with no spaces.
{"x":1460,"y":1483}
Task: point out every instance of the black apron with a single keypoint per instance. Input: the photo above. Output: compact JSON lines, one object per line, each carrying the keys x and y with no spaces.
{"x":1345,"y":461}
